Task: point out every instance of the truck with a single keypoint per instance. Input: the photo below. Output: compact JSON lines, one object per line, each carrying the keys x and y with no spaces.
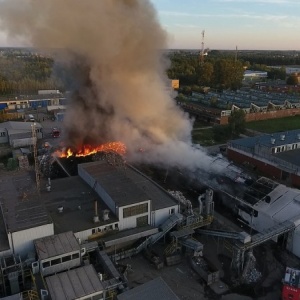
{"x":205,"y":269}
{"x":291,"y":284}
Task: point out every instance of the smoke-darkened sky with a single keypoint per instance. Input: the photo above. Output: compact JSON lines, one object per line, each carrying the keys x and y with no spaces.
{"x":119,"y":74}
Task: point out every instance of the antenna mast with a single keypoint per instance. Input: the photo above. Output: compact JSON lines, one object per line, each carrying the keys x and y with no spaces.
{"x":202,"y":48}
{"x":36,"y":165}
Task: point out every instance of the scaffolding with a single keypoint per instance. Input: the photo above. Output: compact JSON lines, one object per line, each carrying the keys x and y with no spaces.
{"x":36,"y":163}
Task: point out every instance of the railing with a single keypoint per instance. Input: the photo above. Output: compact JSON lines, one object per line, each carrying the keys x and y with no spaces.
{"x":30,"y":295}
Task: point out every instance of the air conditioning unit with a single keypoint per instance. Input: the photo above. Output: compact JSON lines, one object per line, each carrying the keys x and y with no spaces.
{"x":44,"y":294}
{"x":35,"y":267}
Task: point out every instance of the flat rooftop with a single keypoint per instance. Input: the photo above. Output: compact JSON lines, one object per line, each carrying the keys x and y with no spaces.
{"x":115,"y":182}
{"x":77,"y":199}
{"x":126,"y":185}
{"x":151,"y":290}
{"x":291,"y":156}
{"x":22,"y":207}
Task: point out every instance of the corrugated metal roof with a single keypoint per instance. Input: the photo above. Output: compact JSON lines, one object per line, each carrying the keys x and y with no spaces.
{"x":15,"y":125}
{"x":151,"y":290}
{"x":55,"y":245}
{"x":74,"y":284}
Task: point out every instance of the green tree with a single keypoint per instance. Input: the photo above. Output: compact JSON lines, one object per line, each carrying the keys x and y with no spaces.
{"x":228,"y":74}
{"x":205,"y":74}
{"x":237,"y":122}
{"x":292,"y":80}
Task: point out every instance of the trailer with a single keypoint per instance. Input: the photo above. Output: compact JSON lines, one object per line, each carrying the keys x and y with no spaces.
{"x":205,"y":269}
{"x":291,"y":284}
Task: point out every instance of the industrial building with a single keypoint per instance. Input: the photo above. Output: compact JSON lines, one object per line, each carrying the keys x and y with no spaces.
{"x":19,"y":134}
{"x":275,"y":155}
{"x":74,"y":228}
{"x":103,"y":198}
{"x":104,"y":209}
{"x":215,"y":107}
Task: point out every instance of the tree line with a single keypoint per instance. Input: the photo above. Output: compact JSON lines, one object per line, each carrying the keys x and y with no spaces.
{"x":220,"y":73}
{"x":26,"y":74}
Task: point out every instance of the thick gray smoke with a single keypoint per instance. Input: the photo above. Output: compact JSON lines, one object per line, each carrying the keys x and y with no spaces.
{"x":115,"y":49}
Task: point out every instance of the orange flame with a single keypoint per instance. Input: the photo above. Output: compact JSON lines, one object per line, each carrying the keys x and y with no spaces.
{"x":85,"y":150}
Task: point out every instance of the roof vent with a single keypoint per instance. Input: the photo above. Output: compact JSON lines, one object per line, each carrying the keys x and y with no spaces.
{"x":273,"y":141}
{"x":105,"y":215}
{"x":60,"y":209}
{"x":282,"y":137}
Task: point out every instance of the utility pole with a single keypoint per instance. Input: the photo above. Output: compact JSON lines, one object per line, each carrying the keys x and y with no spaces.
{"x":36,"y":164}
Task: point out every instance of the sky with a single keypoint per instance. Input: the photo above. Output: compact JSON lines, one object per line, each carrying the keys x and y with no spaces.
{"x":227,"y":24}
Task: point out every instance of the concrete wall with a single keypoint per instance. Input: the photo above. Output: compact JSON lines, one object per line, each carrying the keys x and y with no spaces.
{"x":130,"y":222}
{"x":259,"y":116}
{"x":261,"y":166}
{"x":62,"y":266}
{"x":161,"y":215}
{"x":22,"y":241}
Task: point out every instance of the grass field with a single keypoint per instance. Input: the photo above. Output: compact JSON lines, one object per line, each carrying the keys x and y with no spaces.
{"x":275,"y":125}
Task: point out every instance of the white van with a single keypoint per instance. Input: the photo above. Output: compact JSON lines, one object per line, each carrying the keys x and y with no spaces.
{"x":31,"y":118}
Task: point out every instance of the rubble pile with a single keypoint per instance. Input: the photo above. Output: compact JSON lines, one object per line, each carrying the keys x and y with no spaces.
{"x":179,"y":196}
{"x":252,"y":276}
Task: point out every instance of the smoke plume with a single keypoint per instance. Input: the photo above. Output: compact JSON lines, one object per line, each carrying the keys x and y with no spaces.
{"x":114,"y":48}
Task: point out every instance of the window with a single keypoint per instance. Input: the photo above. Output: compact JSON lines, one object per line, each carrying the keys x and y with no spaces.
{"x":135,"y":210}
{"x":142,"y":221}
{"x":116,"y":226}
{"x":75,"y":255}
{"x":66,"y":258}
{"x":172,"y":211}
{"x":55,"y":261}
{"x":46,"y":264}
{"x":93,"y":231}
{"x":2,"y":134}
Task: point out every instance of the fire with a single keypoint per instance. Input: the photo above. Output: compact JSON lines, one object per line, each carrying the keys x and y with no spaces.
{"x":117,"y":147}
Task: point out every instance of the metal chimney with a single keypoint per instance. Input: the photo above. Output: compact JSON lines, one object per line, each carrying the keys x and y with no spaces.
{"x":96,"y":217}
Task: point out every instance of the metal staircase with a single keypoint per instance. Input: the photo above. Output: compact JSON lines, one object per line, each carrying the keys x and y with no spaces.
{"x":171,"y":248}
{"x":198,"y":222}
{"x":164,"y":228}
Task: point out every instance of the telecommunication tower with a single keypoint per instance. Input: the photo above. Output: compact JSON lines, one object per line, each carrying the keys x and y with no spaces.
{"x":202,"y":48}
{"x":36,"y":164}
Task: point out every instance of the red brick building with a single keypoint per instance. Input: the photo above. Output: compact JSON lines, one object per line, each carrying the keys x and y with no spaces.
{"x":276,"y":155}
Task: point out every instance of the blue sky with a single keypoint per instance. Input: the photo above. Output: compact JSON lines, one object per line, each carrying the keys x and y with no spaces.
{"x":247,"y":24}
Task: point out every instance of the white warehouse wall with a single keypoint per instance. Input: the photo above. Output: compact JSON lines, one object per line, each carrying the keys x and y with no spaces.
{"x":22,"y":241}
{"x":130,"y":222}
{"x":161,"y":215}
